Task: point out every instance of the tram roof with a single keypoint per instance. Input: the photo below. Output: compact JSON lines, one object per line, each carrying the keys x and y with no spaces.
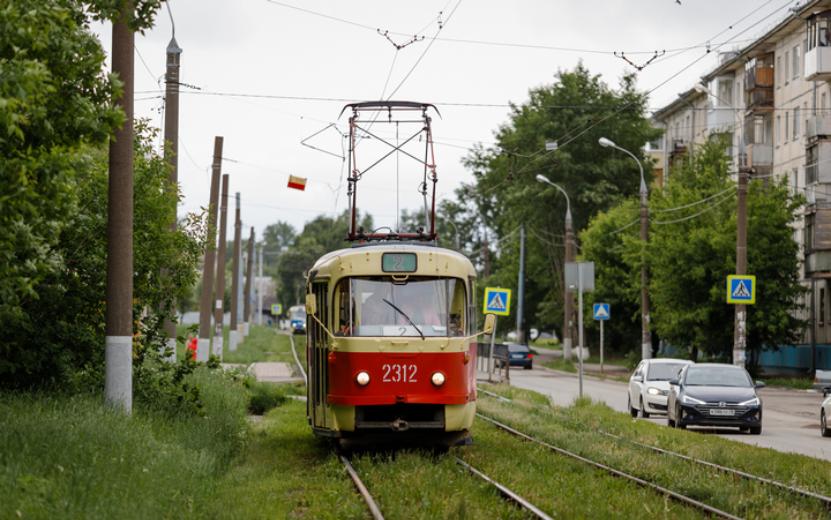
{"x":432,"y":261}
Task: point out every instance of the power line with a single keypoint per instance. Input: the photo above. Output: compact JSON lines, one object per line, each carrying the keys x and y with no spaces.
{"x":696,"y":203}
{"x":694,"y":215}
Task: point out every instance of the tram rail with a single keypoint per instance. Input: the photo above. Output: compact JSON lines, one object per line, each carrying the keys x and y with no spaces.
{"x":505,"y":492}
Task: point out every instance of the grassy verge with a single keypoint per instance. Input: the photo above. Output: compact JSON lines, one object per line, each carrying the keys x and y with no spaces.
{"x":797,"y":383}
{"x":578,"y":428}
{"x":71,"y":457}
{"x":261,"y":344}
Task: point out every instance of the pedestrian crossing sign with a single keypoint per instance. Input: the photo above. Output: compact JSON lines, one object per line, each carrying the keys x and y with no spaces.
{"x":601,"y":311}
{"x":497,"y":301}
{"x":276,"y":309}
{"x":741,"y":289}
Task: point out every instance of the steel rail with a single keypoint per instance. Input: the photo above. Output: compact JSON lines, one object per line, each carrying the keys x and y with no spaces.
{"x":374,"y":510}
{"x":826,"y":500}
{"x":506,"y":492}
{"x":297,"y":359}
{"x":645,"y":483}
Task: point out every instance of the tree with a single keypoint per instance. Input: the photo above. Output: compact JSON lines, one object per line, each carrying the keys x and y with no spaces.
{"x":576,"y":110}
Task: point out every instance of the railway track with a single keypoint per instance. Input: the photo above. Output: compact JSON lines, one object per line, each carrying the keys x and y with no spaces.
{"x":297,"y":360}
{"x":678,"y":497}
{"x":505,"y":492}
{"x":823,"y":499}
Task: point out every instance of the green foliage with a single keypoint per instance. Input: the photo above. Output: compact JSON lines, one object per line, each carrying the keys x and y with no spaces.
{"x":264,"y":396}
{"x":692,"y":249}
{"x":55,"y":106}
{"x":140,"y":18}
{"x":506,"y":192}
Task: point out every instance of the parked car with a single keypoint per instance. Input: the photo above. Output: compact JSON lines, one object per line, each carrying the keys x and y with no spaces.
{"x":649,"y":385}
{"x":715,"y":394}
{"x":520,"y":356}
{"x":824,"y":412}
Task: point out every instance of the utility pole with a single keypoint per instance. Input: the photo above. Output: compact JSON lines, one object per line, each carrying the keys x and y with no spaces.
{"x":646,"y":335}
{"x":568,"y":302}
{"x":740,"y":328}
{"x":220,"y":269}
{"x":118,"y":354}
{"x":249,"y":271}
{"x":520,"y":330}
{"x":486,"y":255}
{"x":171,"y":154}
{"x":235,"y":288}
{"x":206,"y":300}
{"x":260,"y":287}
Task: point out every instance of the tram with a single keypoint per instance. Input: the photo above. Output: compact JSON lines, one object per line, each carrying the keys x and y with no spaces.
{"x":391,"y":347}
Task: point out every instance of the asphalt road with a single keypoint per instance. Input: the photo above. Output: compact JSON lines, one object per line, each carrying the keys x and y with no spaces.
{"x":790,"y":420}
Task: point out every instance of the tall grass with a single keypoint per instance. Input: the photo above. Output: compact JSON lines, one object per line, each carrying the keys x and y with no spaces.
{"x":71,"y":457}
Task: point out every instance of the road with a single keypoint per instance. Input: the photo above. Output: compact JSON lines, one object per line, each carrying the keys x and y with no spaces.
{"x":790,"y":420}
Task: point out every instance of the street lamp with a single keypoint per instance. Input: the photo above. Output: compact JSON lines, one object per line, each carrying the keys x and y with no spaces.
{"x":646,"y":339}
{"x":569,"y":257}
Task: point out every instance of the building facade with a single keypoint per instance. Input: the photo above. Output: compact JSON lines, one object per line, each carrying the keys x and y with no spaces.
{"x":772,"y":101}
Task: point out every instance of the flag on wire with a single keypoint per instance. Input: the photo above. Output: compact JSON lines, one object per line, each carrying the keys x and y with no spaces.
{"x":298,"y":183}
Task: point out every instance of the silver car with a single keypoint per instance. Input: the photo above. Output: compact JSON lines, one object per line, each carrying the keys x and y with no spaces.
{"x":649,"y":385}
{"x":824,"y":412}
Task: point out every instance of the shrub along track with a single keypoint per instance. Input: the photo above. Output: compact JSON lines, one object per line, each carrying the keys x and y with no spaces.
{"x":781,"y":487}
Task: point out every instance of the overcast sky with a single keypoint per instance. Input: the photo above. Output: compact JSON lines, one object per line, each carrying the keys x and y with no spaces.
{"x":263,"y":47}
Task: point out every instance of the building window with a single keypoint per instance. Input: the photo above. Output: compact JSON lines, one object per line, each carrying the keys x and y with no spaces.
{"x":808,"y":237}
{"x":795,"y":61}
{"x":811,"y":164}
{"x":779,"y":71}
{"x":787,"y":66}
{"x":787,"y":126}
{"x":778,"y":129}
{"x":725,"y":93}
{"x":795,"y":123}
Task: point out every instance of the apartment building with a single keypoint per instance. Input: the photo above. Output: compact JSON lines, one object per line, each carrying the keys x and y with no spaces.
{"x":772,"y":101}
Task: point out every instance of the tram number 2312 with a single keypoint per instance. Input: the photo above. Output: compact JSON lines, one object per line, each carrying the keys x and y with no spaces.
{"x":397,"y":373}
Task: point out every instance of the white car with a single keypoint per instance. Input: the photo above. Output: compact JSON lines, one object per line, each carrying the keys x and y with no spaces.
{"x":649,"y":385}
{"x":825,"y":412}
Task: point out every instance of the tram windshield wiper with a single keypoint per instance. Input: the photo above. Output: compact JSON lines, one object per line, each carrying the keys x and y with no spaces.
{"x":405,"y":315}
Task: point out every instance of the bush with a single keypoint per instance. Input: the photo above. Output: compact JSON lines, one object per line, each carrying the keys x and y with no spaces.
{"x":264,"y":396}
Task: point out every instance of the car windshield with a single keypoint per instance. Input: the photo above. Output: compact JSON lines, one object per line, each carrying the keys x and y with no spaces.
{"x":297,"y":313}
{"x":663,"y":371}
{"x":518,"y":348}
{"x":415,"y":306}
{"x":717,"y":376}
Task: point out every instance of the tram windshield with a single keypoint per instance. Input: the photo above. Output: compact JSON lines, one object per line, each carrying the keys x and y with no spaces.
{"x":419,"y":307}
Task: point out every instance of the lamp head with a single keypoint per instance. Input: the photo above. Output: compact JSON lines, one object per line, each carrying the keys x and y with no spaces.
{"x":606,"y":143}
{"x":542,"y":178}
{"x":701,"y":89}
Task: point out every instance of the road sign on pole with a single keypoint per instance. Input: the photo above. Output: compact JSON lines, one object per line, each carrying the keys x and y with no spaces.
{"x":276,"y":309}
{"x":497,"y":301}
{"x":741,"y":289}
{"x":601,"y":311}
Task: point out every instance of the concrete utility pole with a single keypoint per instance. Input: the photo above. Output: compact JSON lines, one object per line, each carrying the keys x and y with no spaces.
{"x":740,"y":327}
{"x":118,"y":354}
{"x":520,"y":330}
{"x":220,"y":269}
{"x":260,"y":287}
{"x":568,"y":303}
{"x":646,"y":336}
{"x":171,"y":152}
{"x":235,"y":287}
{"x":206,"y":300}
{"x":249,"y":271}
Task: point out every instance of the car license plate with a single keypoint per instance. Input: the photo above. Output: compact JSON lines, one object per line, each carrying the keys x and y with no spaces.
{"x":516,"y":356}
{"x":722,"y":412}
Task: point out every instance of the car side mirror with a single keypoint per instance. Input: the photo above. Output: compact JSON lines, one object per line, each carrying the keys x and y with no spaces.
{"x":639,"y":379}
{"x":311,"y":304}
{"x":759,"y":384}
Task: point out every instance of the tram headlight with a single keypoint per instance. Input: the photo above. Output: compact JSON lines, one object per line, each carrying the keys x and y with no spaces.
{"x":437,"y":379}
{"x":362,"y":378}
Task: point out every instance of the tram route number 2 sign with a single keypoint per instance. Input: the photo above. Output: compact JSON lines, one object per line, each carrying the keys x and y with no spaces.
{"x":497,"y":301}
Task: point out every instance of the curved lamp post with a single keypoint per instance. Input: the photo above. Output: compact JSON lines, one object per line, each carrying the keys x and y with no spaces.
{"x":569,"y":257}
{"x":646,"y":339}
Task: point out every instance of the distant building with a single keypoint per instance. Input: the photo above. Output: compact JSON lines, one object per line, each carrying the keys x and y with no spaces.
{"x":772,"y":102}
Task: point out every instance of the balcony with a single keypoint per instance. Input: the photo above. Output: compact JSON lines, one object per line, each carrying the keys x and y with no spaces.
{"x":758,"y":83}
{"x":818,"y":64}
{"x":760,"y":156}
{"x":720,"y":120}
{"x":818,"y":162}
{"x":818,"y":127}
{"x":818,"y":240}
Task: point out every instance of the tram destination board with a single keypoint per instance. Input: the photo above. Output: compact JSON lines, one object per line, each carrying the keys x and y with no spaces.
{"x":399,"y":262}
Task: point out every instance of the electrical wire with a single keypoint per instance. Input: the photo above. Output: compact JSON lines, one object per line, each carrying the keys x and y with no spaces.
{"x":694,"y":215}
{"x":696,"y":203}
